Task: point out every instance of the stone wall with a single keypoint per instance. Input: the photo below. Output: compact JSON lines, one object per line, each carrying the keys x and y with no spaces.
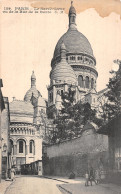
{"x":91,"y":149}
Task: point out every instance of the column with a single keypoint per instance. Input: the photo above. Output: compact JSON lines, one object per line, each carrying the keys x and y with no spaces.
{"x":14,"y":149}
{"x":27,"y":149}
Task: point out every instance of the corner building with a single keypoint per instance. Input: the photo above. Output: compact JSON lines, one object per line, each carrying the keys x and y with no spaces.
{"x":73,"y":63}
{"x":26,"y":129}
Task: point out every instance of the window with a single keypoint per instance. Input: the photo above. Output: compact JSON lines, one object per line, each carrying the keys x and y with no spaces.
{"x":72,"y":58}
{"x":79,"y":58}
{"x":31,"y":146}
{"x":73,"y":19}
{"x":87,"y":82}
{"x":21,"y":146}
{"x":61,"y":92}
{"x":80,"y":81}
{"x":92,"y":83}
{"x":50,"y":97}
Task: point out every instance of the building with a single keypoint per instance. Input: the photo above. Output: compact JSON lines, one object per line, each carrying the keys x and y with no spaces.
{"x":74,"y":64}
{"x":6,"y":149}
{"x":27,"y":127}
{"x":2,"y":107}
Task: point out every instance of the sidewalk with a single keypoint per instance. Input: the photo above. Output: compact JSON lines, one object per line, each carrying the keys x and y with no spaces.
{"x":72,"y":186}
{"x":4,"y":185}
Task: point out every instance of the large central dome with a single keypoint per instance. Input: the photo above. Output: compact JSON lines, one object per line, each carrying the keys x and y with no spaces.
{"x":75,"y":42}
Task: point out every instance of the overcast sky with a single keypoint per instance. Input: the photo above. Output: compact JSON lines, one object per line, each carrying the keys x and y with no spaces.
{"x":28,"y":42}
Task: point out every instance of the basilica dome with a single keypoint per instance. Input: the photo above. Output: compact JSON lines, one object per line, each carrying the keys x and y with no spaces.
{"x":75,"y":42}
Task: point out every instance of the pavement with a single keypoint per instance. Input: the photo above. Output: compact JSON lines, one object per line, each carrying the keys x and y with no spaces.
{"x":4,"y":185}
{"x":54,"y":185}
{"x":77,"y":186}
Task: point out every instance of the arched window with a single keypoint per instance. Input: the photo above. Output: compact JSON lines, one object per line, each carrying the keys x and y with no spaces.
{"x":50,"y":97}
{"x":72,"y":58}
{"x":61,"y":92}
{"x":92,"y":83}
{"x":31,"y":146}
{"x":21,"y":144}
{"x":80,"y":58}
{"x":80,"y":81}
{"x":87,"y":82}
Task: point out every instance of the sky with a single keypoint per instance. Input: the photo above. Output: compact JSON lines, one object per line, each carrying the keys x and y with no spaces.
{"x":27,"y":43}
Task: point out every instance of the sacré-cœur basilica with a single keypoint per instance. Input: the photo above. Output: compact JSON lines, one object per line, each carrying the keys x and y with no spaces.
{"x":73,"y":64}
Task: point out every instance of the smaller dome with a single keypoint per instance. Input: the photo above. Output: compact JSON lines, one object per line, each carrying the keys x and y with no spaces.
{"x":32,"y":92}
{"x":63,"y":71}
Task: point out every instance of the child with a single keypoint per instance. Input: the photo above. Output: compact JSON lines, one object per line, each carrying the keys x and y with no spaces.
{"x":97,"y":176}
{"x":86,"y":178}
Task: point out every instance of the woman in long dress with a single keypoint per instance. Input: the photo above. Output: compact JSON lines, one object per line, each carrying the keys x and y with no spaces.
{"x":12,"y":173}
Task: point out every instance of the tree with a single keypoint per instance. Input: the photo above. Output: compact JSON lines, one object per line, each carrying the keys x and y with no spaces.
{"x":113,"y":106}
{"x":73,"y":116}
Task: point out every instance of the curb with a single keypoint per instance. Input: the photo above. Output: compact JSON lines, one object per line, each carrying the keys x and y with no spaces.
{"x":55,"y":179}
{"x":9,"y":186}
{"x":64,"y":189}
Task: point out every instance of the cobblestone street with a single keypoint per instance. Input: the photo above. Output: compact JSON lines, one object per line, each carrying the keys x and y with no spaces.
{"x":37,"y":185}
{"x":33,"y":185}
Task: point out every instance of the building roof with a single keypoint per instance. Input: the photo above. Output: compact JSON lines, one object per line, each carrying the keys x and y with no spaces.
{"x":21,"y":111}
{"x":75,"y":43}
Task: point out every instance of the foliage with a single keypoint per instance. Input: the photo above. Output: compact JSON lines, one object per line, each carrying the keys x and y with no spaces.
{"x":73,"y":116}
{"x":113,"y":106}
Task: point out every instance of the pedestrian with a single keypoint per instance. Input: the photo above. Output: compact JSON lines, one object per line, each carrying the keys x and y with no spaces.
{"x":86,"y":178}
{"x":91,"y":176}
{"x":12,"y":173}
{"x":97,"y":176}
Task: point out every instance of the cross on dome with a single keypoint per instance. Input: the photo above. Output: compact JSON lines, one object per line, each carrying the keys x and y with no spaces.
{"x":33,"y":79}
{"x":72,"y":16}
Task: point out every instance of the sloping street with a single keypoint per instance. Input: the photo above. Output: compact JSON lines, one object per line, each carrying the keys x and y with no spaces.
{"x":33,"y":185}
{"x":37,"y":185}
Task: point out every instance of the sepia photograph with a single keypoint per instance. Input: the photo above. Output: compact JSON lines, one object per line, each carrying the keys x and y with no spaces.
{"x":60,"y":97}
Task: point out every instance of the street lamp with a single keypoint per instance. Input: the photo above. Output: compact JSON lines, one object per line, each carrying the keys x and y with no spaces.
{"x":4,"y":147}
